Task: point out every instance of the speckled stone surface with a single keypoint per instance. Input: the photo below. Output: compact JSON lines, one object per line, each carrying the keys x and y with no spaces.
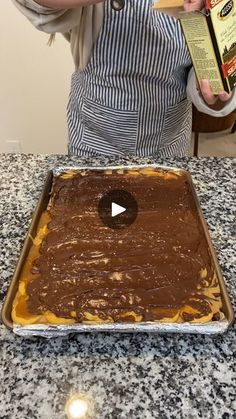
{"x":125,"y":376}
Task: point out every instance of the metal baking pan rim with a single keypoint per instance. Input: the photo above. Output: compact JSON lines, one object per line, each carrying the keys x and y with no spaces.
{"x":206,"y":328}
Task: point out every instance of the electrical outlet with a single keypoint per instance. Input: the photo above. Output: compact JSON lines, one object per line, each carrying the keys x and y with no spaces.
{"x":13,"y":146}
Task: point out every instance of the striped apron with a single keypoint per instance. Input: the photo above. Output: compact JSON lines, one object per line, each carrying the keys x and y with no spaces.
{"x":131,"y":97}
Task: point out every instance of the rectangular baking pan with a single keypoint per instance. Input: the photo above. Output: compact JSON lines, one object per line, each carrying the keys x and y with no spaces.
{"x":160,"y":327}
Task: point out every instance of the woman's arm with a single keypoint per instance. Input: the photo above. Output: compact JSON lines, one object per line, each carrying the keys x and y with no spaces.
{"x":66,"y":4}
{"x":55,"y":18}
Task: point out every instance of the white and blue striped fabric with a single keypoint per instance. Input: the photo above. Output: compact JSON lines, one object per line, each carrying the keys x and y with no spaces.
{"x":131,"y":97}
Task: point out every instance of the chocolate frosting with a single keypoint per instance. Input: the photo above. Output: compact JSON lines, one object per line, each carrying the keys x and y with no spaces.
{"x":152,"y":268}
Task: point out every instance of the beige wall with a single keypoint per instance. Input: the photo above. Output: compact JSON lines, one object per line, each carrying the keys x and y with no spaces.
{"x":34,"y":85}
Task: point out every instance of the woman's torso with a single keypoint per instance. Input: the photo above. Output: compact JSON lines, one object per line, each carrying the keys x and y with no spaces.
{"x":131,"y":97}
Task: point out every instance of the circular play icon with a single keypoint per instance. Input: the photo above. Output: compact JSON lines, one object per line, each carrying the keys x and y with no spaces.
{"x":118,"y":209}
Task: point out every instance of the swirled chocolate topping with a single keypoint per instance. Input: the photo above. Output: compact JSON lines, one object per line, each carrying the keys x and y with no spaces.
{"x":158,"y":268}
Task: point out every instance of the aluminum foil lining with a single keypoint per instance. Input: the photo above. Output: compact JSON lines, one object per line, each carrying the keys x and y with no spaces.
{"x":60,"y":169}
{"x":52,"y":331}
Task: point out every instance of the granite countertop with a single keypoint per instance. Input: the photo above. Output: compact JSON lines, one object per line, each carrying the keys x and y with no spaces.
{"x":123,"y":375}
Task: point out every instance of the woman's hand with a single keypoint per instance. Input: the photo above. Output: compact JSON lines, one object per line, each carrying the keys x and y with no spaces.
{"x":217,"y":102}
{"x":191,"y":5}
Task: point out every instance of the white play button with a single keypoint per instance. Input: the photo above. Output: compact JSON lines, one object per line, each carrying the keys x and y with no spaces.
{"x":116,"y":209}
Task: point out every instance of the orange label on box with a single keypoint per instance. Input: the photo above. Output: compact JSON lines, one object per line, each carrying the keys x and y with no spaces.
{"x":211,"y":3}
{"x":229,"y":68}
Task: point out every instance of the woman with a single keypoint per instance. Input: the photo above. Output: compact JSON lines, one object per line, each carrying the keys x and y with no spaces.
{"x":133,"y":73}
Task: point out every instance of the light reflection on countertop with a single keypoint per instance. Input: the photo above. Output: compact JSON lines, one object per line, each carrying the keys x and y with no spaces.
{"x":79,"y":406}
